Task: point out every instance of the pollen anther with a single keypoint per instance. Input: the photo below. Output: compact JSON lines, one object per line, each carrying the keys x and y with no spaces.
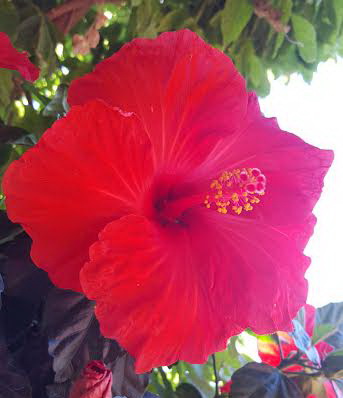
{"x":236,"y":190}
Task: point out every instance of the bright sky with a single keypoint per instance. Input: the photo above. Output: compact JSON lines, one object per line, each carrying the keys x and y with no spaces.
{"x":315,"y":113}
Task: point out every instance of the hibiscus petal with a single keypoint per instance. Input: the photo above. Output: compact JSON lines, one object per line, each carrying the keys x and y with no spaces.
{"x":150,"y":296}
{"x":12,"y":59}
{"x":294,"y":170}
{"x":84,"y":172}
{"x":205,"y":281}
{"x":265,"y":266}
{"x":185,"y":92}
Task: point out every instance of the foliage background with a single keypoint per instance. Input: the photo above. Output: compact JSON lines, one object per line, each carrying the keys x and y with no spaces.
{"x":265,"y":39}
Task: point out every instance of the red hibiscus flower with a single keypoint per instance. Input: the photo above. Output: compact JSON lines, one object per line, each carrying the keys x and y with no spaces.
{"x":226,"y":387}
{"x":168,"y":198}
{"x":270,"y":352}
{"x":12,"y":59}
{"x":95,"y":382}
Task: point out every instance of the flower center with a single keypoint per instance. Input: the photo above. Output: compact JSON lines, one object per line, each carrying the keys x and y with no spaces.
{"x":237,"y":190}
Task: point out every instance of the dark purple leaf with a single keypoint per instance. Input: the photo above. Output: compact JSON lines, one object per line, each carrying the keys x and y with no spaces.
{"x":333,"y":366}
{"x":9,"y":134}
{"x":2,"y":286}
{"x":58,"y":390}
{"x":187,"y":390}
{"x":149,"y":394}
{"x":37,"y":362}
{"x":331,"y":314}
{"x":22,"y":278}
{"x":258,"y":380}
{"x":14,"y":383}
{"x":25,"y":288}
{"x":75,"y":339}
{"x":8,"y":230}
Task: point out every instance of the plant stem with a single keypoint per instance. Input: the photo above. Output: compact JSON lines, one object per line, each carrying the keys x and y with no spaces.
{"x":215,"y":374}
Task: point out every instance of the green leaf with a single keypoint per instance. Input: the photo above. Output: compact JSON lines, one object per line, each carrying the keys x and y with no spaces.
{"x":34,"y":122}
{"x":199,"y":376}
{"x":5,"y":155}
{"x":251,"y":66}
{"x":146,"y":18}
{"x":235,"y":16}
{"x":165,"y":383}
{"x":173,"y":20}
{"x":305,"y":35}
{"x":230,"y":359}
{"x":337,"y":9}
{"x":336,"y":353}
{"x":36,"y":93}
{"x":28,"y":31}
{"x":6,"y":87}
{"x":58,"y":106}
{"x":9,"y":19}
{"x":322,"y":331}
{"x":37,"y":36}
{"x":267,"y":338}
{"x":331,"y":20}
{"x":331,"y":314}
{"x":255,"y":70}
{"x":45,"y":49}
{"x":286,"y":12}
{"x":337,"y":5}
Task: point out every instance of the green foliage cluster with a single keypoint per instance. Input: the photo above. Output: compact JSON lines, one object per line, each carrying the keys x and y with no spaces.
{"x":284,"y":36}
{"x":322,"y":378}
{"x":166,"y":381}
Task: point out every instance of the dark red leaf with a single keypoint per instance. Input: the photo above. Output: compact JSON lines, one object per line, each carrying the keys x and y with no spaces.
{"x":258,"y":380}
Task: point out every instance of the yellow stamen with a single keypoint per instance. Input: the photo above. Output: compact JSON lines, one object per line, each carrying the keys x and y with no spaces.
{"x":236,"y":190}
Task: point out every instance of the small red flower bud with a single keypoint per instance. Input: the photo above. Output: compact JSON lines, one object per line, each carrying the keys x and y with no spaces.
{"x":95,"y":382}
